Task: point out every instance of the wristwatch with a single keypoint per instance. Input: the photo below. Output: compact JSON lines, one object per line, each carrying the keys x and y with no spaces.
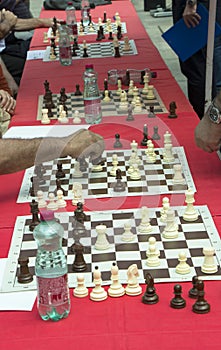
{"x":214,"y":113}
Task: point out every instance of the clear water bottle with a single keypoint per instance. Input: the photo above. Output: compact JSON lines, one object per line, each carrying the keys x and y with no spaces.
{"x":53,"y":299}
{"x":65,"y":56}
{"x":71,"y":21}
{"x":92,"y":97}
{"x":85,"y":11}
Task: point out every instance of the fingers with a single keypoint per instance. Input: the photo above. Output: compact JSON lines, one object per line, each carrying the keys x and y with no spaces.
{"x":192,"y":20}
{"x":7,"y":102}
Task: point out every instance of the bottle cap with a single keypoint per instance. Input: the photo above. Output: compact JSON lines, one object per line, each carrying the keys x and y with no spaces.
{"x":46,"y":215}
{"x":70,"y":3}
{"x":89,"y":66}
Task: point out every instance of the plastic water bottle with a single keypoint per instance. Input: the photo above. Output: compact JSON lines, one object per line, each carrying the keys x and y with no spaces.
{"x":53,"y":299}
{"x":92,"y":98}
{"x":71,"y":19}
{"x":85,"y":11}
{"x":65,"y":56}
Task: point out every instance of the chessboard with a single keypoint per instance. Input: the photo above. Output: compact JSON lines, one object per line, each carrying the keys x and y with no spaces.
{"x":192,"y":238}
{"x":76,"y":103}
{"x":155,"y":179}
{"x":95,"y":50}
{"x":87,"y":30}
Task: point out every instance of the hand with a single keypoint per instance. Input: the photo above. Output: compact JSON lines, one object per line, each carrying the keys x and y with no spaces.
{"x":84,"y":143}
{"x":9,"y":17}
{"x":7,"y":102}
{"x":47,"y":22}
{"x":208,"y":135}
{"x":12,"y":86}
{"x":190,"y":16}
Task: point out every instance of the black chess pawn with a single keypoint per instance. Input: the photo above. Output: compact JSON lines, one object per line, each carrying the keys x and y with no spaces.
{"x":60,"y":174}
{"x":119,"y":186}
{"x":130,"y":116}
{"x":79,"y":264}
{"x":142,"y":74}
{"x":201,"y":306}
{"x":150,"y":296}
{"x":75,"y":44}
{"x":105,"y":17}
{"x":102,"y":32}
{"x":172,"y":110}
{"x":193,"y":292}
{"x":74,"y":53}
{"x":77,"y":91}
{"x":117,"y":52}
{"x":155,"y":136}
{"x":34,"y":211}
{"x":119,"y":33}
{"x":117,"y":143}
{"x":110,"y":37}
{"x":151,"y":113}
{"x":50,"y":112}
{"x":178,"y":302}
{"x":24,"y":275}
{"x":145,"y":136}
{"x":99,"y":37}
{"x":85,"y":54}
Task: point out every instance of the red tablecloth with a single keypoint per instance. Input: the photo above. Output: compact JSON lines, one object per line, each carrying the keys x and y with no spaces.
{"x":124,"y":323}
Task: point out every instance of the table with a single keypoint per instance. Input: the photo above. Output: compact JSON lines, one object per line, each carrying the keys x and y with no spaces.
{"x":124,"y":323}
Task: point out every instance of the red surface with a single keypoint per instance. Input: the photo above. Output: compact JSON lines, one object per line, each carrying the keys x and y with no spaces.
{"x":124,"y":323}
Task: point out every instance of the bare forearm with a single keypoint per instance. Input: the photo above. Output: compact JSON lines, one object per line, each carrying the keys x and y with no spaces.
{"x":32,"y":23}
{"x":17,"y":154}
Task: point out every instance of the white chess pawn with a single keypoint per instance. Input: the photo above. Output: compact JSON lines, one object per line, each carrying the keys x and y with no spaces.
{"x":101,"y":242}
{"x":45,"y":119}
{"x":152,"y":253}
{"x":115,"y":164}
{"x":168,"y":156}
{"x":182,"y":268}
{"x":60,"y":200}
{"x":123,"y":100}
{"x":131,"y":88}
{"x":145,"y":226}
{"x":164,"y":209}
{"x":178,"y":178}
{"x":40,"y":199}
{"x":127,"y":235}
{"x":209,"y":265}
{"x":63,"y":119}
{"x":150,"y":94}
{"x":150,"y":153}
{"x":76,"y":119}
{"x":119,"y":87}
{"x":137,"y":105}
{"x":171,"y":229}
{"x":190,"y":213}
{"x":77,"y":172}
{"x":80,"y":291}
{"x":106,"y":96}
{"x":126,"y":46}
{"x":78,"y":193}
{"x":116,"y":289}
{"x":98,"y":293}
{"x":133,"y":287}
{"x":52,"y":205}
{"x":135,"y":175}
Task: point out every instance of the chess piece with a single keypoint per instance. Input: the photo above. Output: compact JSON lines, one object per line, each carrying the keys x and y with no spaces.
{"x":193,"y":292}
{"x":40,"y":199}
{"x":170,"y":230}
{"x":201,"y":306}
{"x":101,"y":242}
{"x":168,"y":156}
{"x":209,"y":266}
{"x":76,"y":119}
{"x":150,"y":296}
{"x":77,"y":172}
{"x":127,"y":235}
{"x":77,"y":91}
{"x":24,"y":275}
{"x":152,"y":253}
{"x":80,"y":291}
{"x":190,"y":213}
{"x":150,"y":94}
{"x":178,"y":178}
{"x":133,"y":287}
{"x":164,"y":209}
{"x":145,"y":136}
{"x":59,"y":187}
{"x":106,"y":96}
{"x":115,"y":164}
{"x":79,"y":263}
{"x":151,"y":113}
{"x":150,"y":153}
{"x":117,"y":143}
{"x":146,"y":82}
{"x":116,"y":289}
{"x":119,"y":186}
{"x":98,"y":293}
{"x":130,"y":116}
{"x":155,"y":136}
{"x":63,"y":119}
{"x":182,"y":268}
{"x":145,"y":226}
{"x":34,"y":211}
{"x":126,"y":46}
{"x":52,"y":205}
{"x":178,"y":302}
{"x":77,"y":191}
{"x":60,"y":200}
{"x":172,"y":110}
{"x":44,"y":118}
{"x":59,"y":173}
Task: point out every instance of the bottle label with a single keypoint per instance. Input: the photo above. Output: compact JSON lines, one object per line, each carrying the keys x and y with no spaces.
{"x":53,"y":291}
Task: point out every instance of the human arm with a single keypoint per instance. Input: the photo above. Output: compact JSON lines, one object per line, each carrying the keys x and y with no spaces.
{"x":10,"y":80}
{"x":19,"y":154}
{"x":7,"y":102}
{"x":208,"y":133}
{"x":190,"y":16}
